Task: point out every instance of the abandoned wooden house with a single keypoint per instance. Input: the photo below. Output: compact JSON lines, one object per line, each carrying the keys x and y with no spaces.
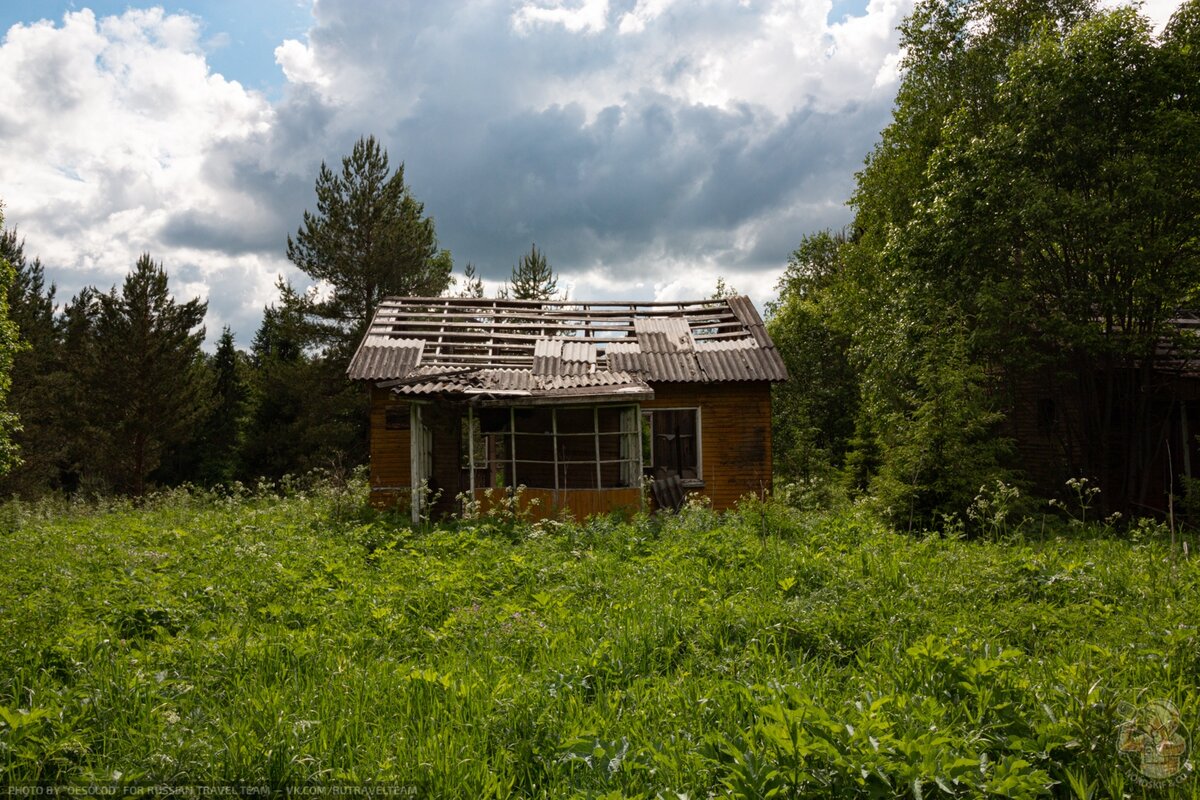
{"x":1130,"y":429}
{"x":577,"y":402}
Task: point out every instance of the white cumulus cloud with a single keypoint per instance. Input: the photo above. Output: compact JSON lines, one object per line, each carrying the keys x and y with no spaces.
{"x":108,"y":125}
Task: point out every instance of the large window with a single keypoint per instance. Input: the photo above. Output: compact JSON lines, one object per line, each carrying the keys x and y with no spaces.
{"x":671,"y":442}
{"x":574,"y":447}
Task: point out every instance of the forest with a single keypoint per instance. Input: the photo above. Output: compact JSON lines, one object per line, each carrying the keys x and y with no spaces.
{"x":1031,"y":214}
{"x":194,"y":595}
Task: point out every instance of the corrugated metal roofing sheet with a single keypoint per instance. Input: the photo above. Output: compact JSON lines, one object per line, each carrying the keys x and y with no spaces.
{"x":663,"y":335}
{"x":446,"y":345}
{"x":741,"y":365}
{"x":671,"y":367}
{"x":519,"y":382}
{"x":744,"y":310}
{"x":563,"y":356}
{"x":380,"y":358}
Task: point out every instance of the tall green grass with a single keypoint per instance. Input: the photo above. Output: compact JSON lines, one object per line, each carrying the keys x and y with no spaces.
{"x":761,"y":653}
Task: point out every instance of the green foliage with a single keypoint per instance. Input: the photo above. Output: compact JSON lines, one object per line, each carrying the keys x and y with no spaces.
{"x":303,"y":413}
{"x":472,"y":283}
{"x":723,"y":290}
{"x":10,"y":346}
{"x":1031,"y":211}
{"x":38,"y":378}
{"x":1065,"y":222}
{"x":222,"y":437}
{"x":940,"y":437}
{"x":144,"y":373}
{"x":240,"y":637}
{"x":532,"y":278}
{"x":813,"y":413}
{"x":925,"y":355}
{"x":368,"y":239}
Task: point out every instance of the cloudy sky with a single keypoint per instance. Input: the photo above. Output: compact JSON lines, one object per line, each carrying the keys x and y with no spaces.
{"x":647,"y":146}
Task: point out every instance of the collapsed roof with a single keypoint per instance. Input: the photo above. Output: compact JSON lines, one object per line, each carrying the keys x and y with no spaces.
{"x":561,"y":349}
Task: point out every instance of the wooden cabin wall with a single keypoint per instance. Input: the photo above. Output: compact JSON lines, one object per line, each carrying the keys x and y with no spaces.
{"x":390,"y":457}
{"x":735,"y":434}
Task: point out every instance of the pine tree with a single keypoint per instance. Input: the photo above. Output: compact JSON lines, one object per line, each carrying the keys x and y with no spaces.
{"x":369,"y":239}
{"x":533,"y":278}
{"x":148,"y":373}
{"x":472,"y":284}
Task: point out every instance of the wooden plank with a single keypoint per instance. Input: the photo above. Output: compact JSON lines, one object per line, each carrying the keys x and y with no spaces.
{"x":581,"y":503}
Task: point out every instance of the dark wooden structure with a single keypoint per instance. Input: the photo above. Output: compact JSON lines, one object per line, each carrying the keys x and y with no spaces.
{"x":579,"y":403}
{"x":1132,"y":430}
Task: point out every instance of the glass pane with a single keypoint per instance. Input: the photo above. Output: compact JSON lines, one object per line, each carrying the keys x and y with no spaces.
{"x":577,"y":476}
{"x":576,"y":420}
{"x":674,"y":442}
{"x":534,"y":420}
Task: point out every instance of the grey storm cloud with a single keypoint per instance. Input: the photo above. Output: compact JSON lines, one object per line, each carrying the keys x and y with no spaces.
{"x":652,"y":170}
{"x":501,"y":161}
{"x":626,"y":140}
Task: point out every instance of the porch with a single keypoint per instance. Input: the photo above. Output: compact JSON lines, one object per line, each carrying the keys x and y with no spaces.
{"x":584,"y":458}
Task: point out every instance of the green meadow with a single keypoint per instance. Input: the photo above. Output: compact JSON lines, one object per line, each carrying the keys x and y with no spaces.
{"x":768,"y":652}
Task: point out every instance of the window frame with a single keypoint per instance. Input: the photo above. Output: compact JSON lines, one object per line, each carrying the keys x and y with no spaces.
{"x":648,"y":464}
{"x":630,"y":465}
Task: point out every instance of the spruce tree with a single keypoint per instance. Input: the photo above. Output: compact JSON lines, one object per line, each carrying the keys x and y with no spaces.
{"x":303,"y":413}
{"x":84,"y":434}
{"x":148,"y":373}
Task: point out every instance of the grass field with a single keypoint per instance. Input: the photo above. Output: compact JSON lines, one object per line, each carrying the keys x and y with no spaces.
{"x":762,"y":653}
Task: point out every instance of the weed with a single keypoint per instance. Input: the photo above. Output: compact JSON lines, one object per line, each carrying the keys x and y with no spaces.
{"x":241,"y":636}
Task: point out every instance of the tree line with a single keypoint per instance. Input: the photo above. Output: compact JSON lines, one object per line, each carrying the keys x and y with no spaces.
{"x":1030,"y":217}
{"x":113,"y":393}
